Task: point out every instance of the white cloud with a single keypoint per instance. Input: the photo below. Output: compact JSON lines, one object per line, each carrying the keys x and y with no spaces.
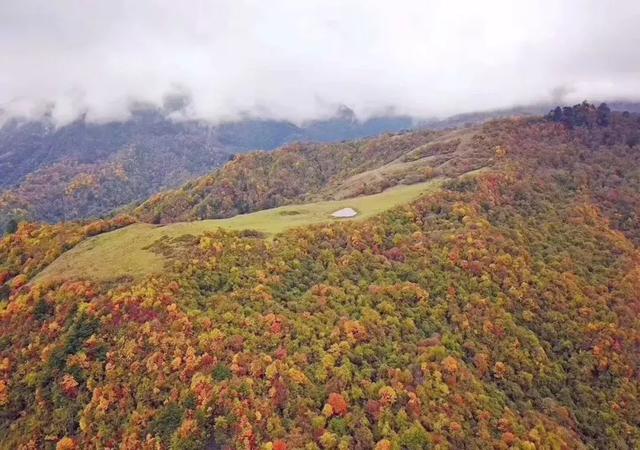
{"x":299,"y":59}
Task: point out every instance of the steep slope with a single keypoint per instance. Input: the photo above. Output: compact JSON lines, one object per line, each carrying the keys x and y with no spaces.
{"x":87,"y":170}
{"x":26,"y":147}
{"x":498,"y":312}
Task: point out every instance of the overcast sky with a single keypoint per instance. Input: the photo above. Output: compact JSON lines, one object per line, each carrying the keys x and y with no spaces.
{"x":299,"y":59}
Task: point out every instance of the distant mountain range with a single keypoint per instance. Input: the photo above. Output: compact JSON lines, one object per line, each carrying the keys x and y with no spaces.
{"x":85,"y":170}
{"x":27,"y":146}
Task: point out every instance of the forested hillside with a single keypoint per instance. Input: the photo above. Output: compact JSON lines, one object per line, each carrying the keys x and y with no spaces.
{"x":303,"y":172}
{"x":86,"y":171}
{"x":500,"y":311}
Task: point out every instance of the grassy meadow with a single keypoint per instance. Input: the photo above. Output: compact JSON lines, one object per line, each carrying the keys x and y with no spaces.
{"x":125,"y":252}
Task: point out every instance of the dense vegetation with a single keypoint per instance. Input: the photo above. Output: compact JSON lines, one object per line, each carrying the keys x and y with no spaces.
{"x":500,"y":312}
{"x":32,"y":247}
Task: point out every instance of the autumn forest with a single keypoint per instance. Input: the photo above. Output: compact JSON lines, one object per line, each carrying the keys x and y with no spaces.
{"x":497,"y":311}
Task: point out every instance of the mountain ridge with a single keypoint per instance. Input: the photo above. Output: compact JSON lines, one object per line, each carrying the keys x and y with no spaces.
{"x":497,"y":311}
{"x":86,"y":171}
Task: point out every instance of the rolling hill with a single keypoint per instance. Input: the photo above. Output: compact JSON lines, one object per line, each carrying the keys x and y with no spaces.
{"x":305,"y":172}
{"x":493,"y":305}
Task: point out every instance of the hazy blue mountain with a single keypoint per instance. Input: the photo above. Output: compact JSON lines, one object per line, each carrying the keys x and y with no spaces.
{"x":83,"y":170}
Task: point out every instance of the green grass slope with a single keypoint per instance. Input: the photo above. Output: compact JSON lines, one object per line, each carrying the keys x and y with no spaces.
{"x":126,"y":253}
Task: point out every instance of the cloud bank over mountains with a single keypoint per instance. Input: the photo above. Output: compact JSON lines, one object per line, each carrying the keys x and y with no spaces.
{"x":299,"y":60}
